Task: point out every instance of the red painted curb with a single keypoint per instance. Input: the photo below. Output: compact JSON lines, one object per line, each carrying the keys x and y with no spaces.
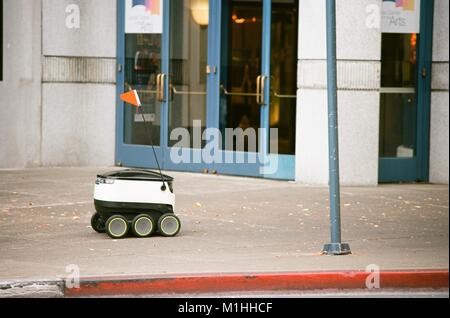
{"x":220,"y":283}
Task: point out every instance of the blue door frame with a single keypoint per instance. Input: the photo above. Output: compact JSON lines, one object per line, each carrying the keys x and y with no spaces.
{"x":142,"y":156}
{"x":137,"y":155}
{"x":417,"y":169}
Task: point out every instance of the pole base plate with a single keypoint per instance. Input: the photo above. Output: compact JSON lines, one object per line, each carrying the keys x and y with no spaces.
{"x":336,"y":249}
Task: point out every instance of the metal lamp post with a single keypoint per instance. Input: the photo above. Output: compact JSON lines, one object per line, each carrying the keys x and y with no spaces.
{"x":336,"y":247}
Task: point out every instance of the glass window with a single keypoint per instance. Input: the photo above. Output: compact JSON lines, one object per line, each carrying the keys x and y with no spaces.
{"x":241,"y":66}
{"x":188,"y":60}
{"x":398,"y":125}
{"x":399,"y":60}
{"x":142,"y":66}
{"x":398,"y":121}
{"x":283,"y":66}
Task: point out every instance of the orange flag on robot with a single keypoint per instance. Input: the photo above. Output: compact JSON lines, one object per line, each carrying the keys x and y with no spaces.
{"x":132,"y":98}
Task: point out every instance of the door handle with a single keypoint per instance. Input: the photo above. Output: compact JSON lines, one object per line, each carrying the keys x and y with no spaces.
{"x":424,"y":72}
{"x":258,"y":90}
{"x":158,"y":86}
{"x":161,"y":87}
{"x":261,"y":89}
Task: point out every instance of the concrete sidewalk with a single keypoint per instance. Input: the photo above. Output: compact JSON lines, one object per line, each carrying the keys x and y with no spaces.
{"x":230,"y":225}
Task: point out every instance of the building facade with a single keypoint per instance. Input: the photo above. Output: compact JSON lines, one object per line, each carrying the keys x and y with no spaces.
{"x":200,"y":64}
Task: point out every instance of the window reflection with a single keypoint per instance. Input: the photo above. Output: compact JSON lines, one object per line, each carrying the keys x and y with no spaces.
{"x":399,"y":60}
{"x":142,"y":65}
{"x":283,"y":103}
{"x":241,"y":65}
{"x":398,"y":125}
{"x":188,"y":60}
{"x":398,"y":120}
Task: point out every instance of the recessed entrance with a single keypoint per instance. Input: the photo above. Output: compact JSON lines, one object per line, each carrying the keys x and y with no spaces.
{"x":187,"y":75}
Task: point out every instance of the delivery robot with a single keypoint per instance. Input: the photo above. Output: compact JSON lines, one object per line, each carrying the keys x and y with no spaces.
{"x":139,"y":200}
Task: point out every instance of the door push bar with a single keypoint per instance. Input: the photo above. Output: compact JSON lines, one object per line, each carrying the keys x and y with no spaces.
{"x":260,"y":90}
{"x":142,"y":91}
{"x":227,"y":93}
{"x":177,"y":92}
{"x":160,"y":91}
{"x":281,"y":96}
{"x":261,"y":81}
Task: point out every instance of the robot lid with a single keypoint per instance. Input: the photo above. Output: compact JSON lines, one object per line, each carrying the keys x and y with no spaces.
{"x":134,"y":175}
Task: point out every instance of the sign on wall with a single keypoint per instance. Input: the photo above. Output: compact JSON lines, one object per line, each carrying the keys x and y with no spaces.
{"x":144,"y":16}
{"x":400,"y":16}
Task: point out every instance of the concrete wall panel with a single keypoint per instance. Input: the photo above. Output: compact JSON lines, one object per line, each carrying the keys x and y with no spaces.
{"x":96,"y":36}
{"x":20,"y":90}
{"x":78,"y":124}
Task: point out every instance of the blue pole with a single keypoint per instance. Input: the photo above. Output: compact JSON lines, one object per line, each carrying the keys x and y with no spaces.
{"x":335,"y":247}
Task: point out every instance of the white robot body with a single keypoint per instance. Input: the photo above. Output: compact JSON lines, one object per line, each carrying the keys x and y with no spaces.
{"x":133,"y":191}
{"x":140,"y":200}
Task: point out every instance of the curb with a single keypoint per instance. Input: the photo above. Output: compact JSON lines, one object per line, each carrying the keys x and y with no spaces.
{"x":224,"y":283}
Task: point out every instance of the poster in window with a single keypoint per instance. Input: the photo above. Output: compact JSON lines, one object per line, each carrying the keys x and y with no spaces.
{"x":400,"y":16}
{"x":143,"y":16}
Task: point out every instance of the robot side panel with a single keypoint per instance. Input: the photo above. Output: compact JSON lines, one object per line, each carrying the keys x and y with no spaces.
{"x":134,"y":192}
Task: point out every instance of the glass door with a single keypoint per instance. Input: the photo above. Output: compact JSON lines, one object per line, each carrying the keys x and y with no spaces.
{"x":187,"y":82}
{"x":241,"y":97}
{"x":405,"y":96}
{"x":163,"y":53}
{"x":143,"y":66}
{"x":258,"y":87}
{"x":208,"y":69}
{"x":283,"y":89}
